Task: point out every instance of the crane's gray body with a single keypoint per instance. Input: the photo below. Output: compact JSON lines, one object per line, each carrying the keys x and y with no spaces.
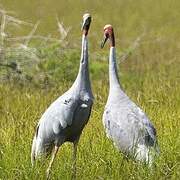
{"x":66,"y":117}
{"x":125,"y":123}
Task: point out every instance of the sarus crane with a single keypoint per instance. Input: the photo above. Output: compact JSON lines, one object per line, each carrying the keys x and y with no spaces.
{"x":66,"y":117}
{"x":125,"y":123}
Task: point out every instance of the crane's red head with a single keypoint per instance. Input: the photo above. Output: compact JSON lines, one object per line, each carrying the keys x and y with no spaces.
{"x":108,"y":34}
{"x":86,"y":23}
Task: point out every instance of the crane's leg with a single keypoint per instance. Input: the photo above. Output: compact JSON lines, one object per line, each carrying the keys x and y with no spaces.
{"x":75,"y":144}
{"x":56,"y":148}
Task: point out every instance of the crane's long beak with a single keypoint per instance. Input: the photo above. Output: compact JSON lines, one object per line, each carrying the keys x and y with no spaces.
{"x":86,"y":24}
{"x":104,"y":41}
{"x":83,"y":24}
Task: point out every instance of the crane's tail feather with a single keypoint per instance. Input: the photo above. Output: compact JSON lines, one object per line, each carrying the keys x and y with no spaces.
{"x":33,"y":150}
{"x":147,"y":154}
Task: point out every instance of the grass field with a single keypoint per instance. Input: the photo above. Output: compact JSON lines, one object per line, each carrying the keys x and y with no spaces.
{"x":150,"y":76}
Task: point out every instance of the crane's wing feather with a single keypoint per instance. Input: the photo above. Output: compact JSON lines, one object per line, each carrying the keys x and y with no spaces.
{"x":129,"y":116}
{"x":150,"y":131}
{"x":60,"y":113}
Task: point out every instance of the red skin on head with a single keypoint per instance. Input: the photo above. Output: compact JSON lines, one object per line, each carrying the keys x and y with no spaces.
{"x":109,"y":33}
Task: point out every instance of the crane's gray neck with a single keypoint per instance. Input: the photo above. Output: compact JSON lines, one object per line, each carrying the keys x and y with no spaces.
{"x":82,"y":81}
{"x":113,"y":74}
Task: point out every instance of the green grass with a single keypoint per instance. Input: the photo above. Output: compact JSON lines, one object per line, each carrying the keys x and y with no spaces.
{"x":150,"y":76}
{"x":21,"y":108}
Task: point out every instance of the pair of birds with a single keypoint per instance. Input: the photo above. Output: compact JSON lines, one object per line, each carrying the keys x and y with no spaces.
{"x":125,"y":123}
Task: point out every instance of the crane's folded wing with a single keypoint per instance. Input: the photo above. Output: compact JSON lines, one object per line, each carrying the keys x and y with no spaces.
{"x":64,"y":113}
{"x":59,"y":114}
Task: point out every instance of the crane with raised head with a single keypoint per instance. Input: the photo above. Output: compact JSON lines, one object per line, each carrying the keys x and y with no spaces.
{"x":125,"y":123}
{"x":66,"y":117}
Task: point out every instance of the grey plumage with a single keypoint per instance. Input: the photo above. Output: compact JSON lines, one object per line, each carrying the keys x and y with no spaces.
{"x":125,"y":123}
{"x":66,"y":117}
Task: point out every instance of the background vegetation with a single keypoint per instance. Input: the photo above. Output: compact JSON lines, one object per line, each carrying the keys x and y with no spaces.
{"x":38,"y":63}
